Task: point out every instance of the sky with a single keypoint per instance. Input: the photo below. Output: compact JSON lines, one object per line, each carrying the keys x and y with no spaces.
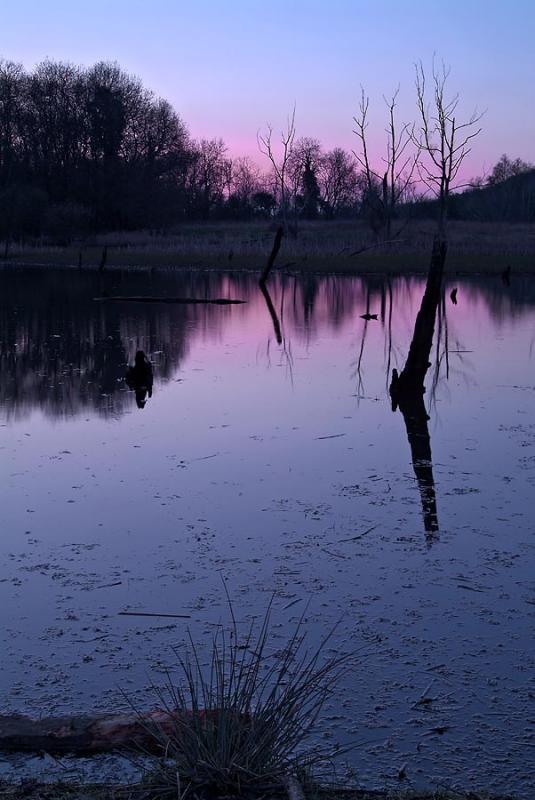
{"x":231,"y":66}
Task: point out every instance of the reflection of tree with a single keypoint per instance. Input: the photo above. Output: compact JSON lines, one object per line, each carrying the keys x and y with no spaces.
{"x":272,"y":313}
{"x":407,"y":390}
{"x":277,"y":327}
{"x":360,"y":383}
{"x":63,"y":353}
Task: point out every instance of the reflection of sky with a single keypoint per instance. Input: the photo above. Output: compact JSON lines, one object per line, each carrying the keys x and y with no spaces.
{"x":229,"y":67}
{"x":66,"y":354}
{"x":227,"y":471}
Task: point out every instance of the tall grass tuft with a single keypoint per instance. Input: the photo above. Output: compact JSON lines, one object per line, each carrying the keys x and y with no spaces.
{"x":241,"y":723}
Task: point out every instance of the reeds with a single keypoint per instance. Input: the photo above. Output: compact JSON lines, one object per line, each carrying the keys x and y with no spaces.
{"x":241,"y":723}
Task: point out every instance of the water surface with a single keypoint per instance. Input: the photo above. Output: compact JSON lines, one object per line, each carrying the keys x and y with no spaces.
{"x":269,"y":455}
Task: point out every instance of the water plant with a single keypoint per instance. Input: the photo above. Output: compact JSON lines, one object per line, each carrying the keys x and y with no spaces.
{"x":241,"y":722}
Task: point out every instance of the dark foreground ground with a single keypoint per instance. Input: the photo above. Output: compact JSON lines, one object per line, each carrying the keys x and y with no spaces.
{"x":65,"y":791}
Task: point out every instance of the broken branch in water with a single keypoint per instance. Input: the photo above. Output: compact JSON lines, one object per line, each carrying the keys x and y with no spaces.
{"x":359,"y":536}
{"x":220,"y":301}
{"x":273,"y":255}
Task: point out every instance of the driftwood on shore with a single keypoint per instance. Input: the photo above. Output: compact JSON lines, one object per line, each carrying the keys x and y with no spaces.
{"x":88,"y":734}
{"x":220,"y":301}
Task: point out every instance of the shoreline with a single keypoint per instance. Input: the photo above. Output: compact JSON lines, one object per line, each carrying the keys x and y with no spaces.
{"x":342,"y":248}
{"x":33,"y":790}
{"x":395,"y":266}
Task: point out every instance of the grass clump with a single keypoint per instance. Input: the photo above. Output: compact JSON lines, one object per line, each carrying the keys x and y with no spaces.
{"x":241,"y":723}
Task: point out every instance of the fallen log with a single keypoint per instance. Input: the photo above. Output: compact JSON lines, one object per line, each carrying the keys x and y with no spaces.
{"x":89,"y":734}
{"x":220,"y":301}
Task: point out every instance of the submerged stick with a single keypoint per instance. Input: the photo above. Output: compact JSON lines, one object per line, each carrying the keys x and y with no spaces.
{"x":220,"y":301}
{"x":151,"y":614}
{"x":273,"y":255}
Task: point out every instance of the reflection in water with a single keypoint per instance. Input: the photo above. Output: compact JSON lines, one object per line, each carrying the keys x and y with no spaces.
{"x":63,"y":353}
{"x":300,"y":487}
{"x":407,"y":391}
{"x":272,"y":312}
{"x":139,"y":378}
{"x":412,"y":406}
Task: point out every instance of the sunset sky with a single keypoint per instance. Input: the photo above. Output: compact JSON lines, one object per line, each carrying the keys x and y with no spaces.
{"x":228,"y":67}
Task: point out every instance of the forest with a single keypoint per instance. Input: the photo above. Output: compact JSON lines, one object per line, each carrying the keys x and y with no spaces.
{"x":85,"y":150}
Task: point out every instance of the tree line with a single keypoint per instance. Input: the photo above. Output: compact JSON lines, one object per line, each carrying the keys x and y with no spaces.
{"x":91,"y":149}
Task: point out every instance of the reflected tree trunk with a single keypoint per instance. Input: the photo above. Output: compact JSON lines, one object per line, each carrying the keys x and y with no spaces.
{"x":272,"y":313}
{"x":407,"y":389}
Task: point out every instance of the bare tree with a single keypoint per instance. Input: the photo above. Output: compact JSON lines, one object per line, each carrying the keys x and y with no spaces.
{"x":385,"y":189}
{"x":280,"y":163}
{"x":227,"y":173}
{"x":443,"y":140}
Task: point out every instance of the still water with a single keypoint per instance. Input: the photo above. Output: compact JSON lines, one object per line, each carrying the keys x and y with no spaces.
{"x":269,"y":456}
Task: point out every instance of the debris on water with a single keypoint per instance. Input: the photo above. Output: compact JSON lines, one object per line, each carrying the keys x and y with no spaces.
{"x":152,"y":614}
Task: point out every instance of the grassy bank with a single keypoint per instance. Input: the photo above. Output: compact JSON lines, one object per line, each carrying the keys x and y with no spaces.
{"x":336,"y":247}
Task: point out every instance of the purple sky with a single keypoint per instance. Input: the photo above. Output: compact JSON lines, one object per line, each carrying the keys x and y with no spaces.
{"x":228,"y":67}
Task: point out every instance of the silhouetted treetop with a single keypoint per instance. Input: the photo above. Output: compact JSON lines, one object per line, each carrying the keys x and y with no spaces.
{"x":93,"y":137}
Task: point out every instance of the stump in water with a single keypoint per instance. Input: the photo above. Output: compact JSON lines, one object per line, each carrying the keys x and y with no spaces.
{"x":407,"y":389}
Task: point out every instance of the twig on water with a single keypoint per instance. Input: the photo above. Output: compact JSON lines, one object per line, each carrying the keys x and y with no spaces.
{"x":359,"y":536}
{"x":151,"y":614}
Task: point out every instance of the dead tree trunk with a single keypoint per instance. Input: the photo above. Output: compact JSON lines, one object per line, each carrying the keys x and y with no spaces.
{"x":407,"y":389}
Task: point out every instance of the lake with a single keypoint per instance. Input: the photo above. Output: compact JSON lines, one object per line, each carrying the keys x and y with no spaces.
{"x":269,"y":457}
